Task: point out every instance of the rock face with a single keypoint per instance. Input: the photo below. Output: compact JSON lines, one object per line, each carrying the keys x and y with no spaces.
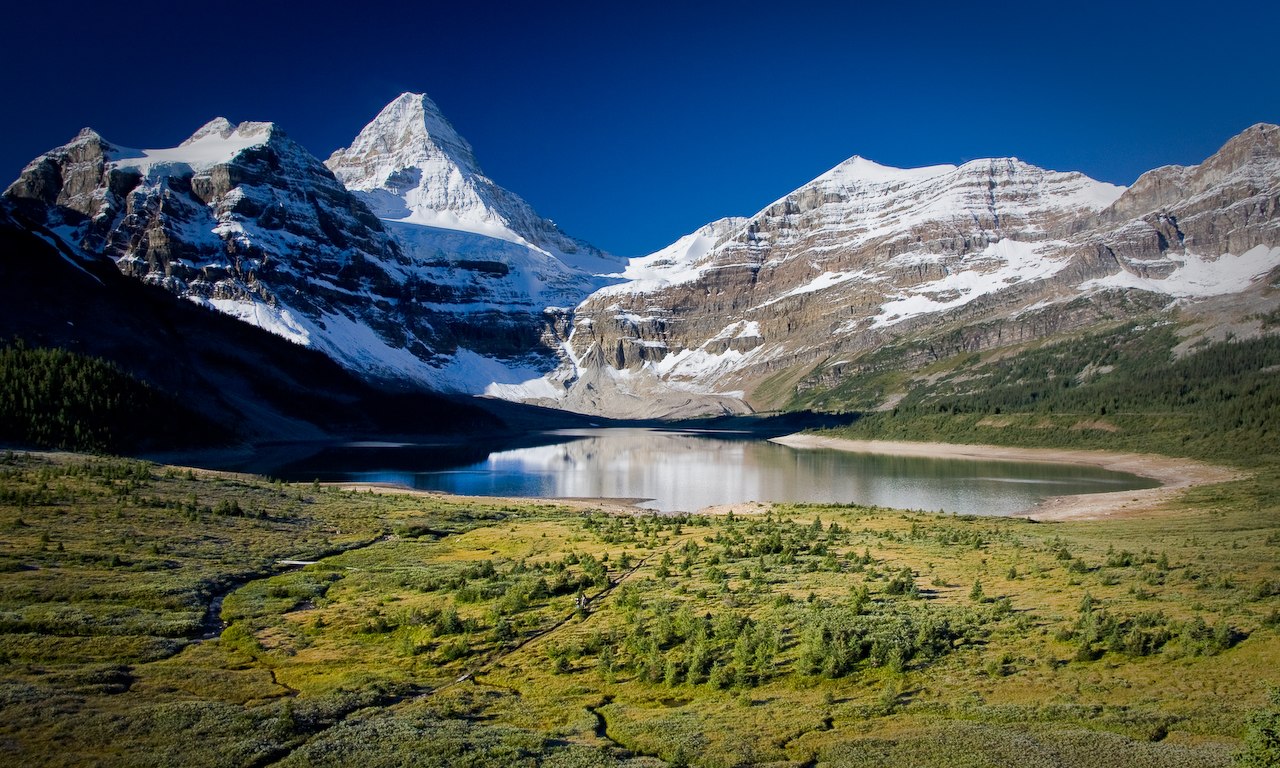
{"x":462,"y":297}
{"x":239,"y":218}
{"x":1226,"y":205}
{"x":990,"y":253}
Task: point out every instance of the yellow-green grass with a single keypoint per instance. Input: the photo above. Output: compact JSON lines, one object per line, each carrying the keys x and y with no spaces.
{"x":357,"y":659}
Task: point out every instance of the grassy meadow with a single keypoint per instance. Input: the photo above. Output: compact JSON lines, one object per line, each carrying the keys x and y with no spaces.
{"x":430,"y":630}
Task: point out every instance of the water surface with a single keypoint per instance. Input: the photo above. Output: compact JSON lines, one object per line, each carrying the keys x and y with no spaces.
{"x":687,"y":471}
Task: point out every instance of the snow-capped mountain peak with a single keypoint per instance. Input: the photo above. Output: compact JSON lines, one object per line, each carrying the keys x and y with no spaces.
{"x":421,"y":268}
{"x":966,"y":256}
{"x":410,"y":165}
{"x":408,"y":133}
{"x":859,"y":171}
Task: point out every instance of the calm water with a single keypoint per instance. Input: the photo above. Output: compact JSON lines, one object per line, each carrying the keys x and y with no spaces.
{"x":686,"y":471}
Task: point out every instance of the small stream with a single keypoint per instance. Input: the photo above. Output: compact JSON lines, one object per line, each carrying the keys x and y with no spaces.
{"x":212,"y":625}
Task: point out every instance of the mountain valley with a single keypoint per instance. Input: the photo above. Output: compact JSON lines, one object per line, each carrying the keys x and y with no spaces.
{"x":238,"y":296}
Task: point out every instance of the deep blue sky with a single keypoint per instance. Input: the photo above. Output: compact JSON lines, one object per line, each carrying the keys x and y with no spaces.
{"x":634,"y":123}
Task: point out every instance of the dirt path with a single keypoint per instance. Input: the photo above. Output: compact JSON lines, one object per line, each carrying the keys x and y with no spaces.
{"x":1174,"y":474}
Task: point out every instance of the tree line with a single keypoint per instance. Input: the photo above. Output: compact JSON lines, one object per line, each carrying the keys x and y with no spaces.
{"x":54,"y":398}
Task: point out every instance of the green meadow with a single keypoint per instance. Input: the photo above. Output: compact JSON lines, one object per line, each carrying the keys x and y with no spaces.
{"x":431,"y":630}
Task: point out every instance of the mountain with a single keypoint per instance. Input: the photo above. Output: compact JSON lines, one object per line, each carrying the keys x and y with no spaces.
{"x":748,"y":312}
{"x":242,"y":219}
{"x":399,"y":259}
{"x":522,"y":273}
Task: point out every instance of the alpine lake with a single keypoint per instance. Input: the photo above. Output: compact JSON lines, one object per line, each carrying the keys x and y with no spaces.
{"x":688,"y":470}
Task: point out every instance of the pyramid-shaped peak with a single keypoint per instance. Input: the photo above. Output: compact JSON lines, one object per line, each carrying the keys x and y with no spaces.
{"x":412,"y":107}
{"x":410,"y":165}
{"x":413,"y":124}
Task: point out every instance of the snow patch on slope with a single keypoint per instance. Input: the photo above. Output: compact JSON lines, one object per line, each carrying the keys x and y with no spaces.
{"x":821,"y":283}
{"x":696,"y":368}
{"x":357,"y":346}
{"x":254,"y":311}
{"x":743,"y":329}
{"x":998,"y":266}
{"x":1198,"y":276}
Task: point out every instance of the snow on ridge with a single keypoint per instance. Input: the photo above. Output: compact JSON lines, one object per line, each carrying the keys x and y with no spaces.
{"x":451,"y":220}
{"x":683,"y":261}
{"x":859,"y":170}
{"x":882,"y":198}
{"x":207,"y":148}
{"x":534,"y":277}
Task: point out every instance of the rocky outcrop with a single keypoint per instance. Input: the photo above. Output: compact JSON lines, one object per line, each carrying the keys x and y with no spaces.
{"x":1227,"y":204}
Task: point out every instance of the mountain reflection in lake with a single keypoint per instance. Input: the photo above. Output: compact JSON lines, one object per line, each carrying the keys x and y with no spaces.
{"x":687,"y":471}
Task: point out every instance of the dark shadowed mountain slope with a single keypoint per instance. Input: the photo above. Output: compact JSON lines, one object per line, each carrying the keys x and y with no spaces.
{"x":261,"y":385}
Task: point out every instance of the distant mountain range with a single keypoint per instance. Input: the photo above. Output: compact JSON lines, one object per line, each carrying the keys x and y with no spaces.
{"x":400,"y":260}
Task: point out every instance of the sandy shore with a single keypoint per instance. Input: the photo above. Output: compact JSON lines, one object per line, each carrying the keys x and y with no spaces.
{"x":1174,"y":475}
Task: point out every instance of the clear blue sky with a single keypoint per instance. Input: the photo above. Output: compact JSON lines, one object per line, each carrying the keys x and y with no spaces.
{"x":634,"y":123}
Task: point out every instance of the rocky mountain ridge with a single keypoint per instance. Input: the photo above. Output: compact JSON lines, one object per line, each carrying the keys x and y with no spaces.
{"x":991,"y":253}
{"x":244,"y":220}
{"x":401,"y":260}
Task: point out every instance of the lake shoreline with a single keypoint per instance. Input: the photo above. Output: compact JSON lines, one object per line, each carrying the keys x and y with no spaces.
{"x":1174,"y":474}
